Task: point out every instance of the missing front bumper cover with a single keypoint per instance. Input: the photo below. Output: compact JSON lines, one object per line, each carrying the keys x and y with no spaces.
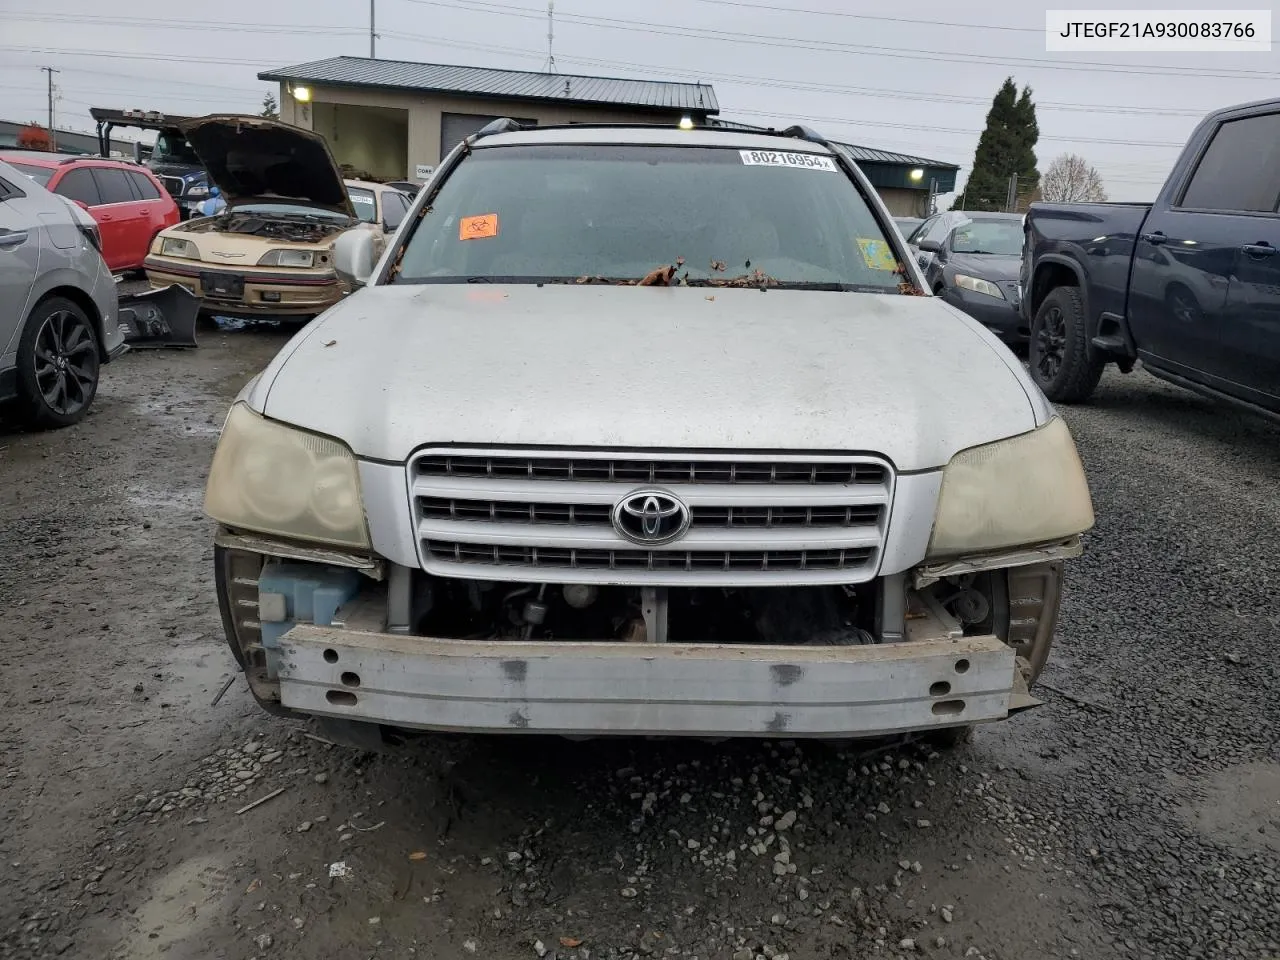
{"x":651,"y":689}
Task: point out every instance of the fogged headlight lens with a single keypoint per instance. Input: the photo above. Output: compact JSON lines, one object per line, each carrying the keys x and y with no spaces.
{"x":978,"y":285}
{"x":1026,"y":490}
{"x":287,"y":258}
{"x":177,"y":247}
{"x":198,"y":190}
{"x":279,"y":480}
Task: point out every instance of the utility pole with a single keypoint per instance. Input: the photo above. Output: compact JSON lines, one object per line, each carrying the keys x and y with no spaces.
{"x":372,"y":35}
{"x":53,"y":139}
{"x":551,"y":36}
{"x":933,"y":196}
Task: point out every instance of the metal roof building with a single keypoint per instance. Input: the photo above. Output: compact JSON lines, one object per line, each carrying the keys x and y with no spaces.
{"x":696,"y":99}
{"x":395,"y":119}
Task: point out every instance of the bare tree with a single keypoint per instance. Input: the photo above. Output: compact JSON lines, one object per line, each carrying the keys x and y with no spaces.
{"x":1070,"y":178}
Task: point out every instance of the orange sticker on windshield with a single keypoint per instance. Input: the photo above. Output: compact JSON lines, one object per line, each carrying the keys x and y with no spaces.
{"x":877,"y":254}
{"x":477,"y":228}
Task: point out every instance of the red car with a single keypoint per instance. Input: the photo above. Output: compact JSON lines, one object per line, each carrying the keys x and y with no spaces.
{"x":129,"y":204}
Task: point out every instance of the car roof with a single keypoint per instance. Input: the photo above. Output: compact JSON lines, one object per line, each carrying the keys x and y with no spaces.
{"x":367,"y":185}
{"x":658,"y":135}
{"x":42,"y":158}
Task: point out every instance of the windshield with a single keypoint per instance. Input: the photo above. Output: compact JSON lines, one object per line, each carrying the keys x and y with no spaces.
{"x":172,"y":147}
{"x":289,"y":210}
{"x":363,"y":201}
{"x":1000,"y":237}
{"x":41,"y":175}
{"x":709,"y":216}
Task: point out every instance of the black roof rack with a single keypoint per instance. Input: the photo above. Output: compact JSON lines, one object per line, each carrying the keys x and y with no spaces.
{"x":801,"y":132}
{"x":501,"y":125}
{"x":507,"y":125}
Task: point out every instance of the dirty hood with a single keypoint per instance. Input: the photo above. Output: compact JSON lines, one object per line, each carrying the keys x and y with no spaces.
{"x":392,"y":368}
{"x":253,"y":159}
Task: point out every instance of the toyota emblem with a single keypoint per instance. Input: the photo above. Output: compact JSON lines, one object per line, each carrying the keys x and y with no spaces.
{"x":651,"y":517}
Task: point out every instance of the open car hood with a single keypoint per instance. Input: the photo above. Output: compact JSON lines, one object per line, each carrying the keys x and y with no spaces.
{"x":253,"y":159}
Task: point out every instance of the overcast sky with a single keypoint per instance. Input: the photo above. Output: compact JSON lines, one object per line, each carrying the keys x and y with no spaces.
{"x":911,"y":77}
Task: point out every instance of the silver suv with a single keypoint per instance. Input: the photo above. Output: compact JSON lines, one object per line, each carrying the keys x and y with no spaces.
{"x":58,"y":320}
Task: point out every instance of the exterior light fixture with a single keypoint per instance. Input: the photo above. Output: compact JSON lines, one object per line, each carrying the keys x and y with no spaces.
{"x":917,"y":174}
{"x":302,"y":94}
{"x":686,"y":123}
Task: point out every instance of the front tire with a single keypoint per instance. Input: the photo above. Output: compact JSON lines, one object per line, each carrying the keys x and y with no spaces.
{"x":58,"y":364}
{"x":1058,"y":355}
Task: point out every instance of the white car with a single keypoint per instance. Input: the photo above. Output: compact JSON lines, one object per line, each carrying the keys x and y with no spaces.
{"x":644,"y":431}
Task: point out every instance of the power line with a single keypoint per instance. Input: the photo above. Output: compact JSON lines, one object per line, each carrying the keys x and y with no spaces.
{"x":171,"y":23}
{"x":772,"y":8}
{"x":167,"y":97}
{"x":911,"y":53}
{"x":863,"y":16}
{"x":744,"y":80}
{"x":964,"y":132}
{"x":150,"y":78}
{"x":114,"y":55}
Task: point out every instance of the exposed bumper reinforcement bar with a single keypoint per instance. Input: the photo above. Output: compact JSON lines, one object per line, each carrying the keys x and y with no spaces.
{"x":596,"y":689}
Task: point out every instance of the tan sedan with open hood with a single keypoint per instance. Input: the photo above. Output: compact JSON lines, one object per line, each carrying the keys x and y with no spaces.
{"x":269,"y":253}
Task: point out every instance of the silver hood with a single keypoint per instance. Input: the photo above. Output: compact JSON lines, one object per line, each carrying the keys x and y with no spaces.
{"x":392,"y":368}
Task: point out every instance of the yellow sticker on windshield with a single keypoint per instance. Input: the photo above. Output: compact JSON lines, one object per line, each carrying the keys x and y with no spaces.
{"x":877,"y":254}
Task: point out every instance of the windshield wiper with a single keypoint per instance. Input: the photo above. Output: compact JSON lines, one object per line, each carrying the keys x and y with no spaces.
{"x":488,"y":278}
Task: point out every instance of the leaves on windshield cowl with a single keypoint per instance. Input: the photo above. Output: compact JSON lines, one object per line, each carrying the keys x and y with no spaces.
{"x":756,"y":278}
{"x":719,"y":266}
{"x":658,"y":277}
{"x":906,"y":288}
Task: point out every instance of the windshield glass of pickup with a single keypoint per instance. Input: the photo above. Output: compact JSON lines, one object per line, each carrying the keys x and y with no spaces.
{"x":1000,"y":237}
{"x":617,"y":213}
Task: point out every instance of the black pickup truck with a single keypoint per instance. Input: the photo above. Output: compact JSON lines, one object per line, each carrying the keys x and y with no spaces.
{"x":1189,"y":285}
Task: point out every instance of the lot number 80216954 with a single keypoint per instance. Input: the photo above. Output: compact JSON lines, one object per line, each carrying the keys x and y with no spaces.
{"x":802,"y":161}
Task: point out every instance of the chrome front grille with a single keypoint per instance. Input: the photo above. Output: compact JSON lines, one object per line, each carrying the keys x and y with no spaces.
{"x":753,"y":520}
{"x":645,"y":469}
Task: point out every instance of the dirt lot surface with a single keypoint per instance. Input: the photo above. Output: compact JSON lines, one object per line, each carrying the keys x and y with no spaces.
{"x":1136,"y":814}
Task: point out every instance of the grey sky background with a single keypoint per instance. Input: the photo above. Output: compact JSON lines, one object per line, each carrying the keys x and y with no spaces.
{"x":916,"y":78}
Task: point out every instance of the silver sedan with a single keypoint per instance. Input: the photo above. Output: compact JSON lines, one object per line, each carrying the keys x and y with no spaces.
{"x":58,"y":308}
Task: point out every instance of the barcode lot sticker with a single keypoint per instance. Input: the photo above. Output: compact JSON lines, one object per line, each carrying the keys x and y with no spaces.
{"x":801,"y":161}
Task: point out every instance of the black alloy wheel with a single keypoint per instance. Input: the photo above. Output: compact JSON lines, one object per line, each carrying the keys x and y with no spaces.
{"x":58,"y":364}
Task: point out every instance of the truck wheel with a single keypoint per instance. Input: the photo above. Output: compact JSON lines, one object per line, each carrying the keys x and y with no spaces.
{"x":57,"y":364}
{"x":1059,"y":351}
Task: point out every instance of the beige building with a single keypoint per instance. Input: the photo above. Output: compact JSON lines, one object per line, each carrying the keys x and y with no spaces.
{"x":394,"y":120}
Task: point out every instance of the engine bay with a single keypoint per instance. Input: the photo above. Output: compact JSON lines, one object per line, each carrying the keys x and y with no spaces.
{"x":290,"y":229}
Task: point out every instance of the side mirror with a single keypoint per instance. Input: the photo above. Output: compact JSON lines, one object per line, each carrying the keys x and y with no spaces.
{"x":929,"y":246}
{"x":353,"y":257}
{"x":137,"y":152}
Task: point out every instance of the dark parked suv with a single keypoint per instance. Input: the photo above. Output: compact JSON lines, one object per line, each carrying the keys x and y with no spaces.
{"x":1189,"y":285}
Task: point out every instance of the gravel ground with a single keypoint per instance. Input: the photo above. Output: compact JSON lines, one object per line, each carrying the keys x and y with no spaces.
{"x":1135,"y":815}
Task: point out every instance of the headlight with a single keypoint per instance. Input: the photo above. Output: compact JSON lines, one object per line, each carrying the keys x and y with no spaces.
{"x":287,"y":258}
{"x":1022,"y":491}
{"x":280,"y":480}
{"x":978,"y":286}
{"x":177,"y":247}
{"x":198,"y":190}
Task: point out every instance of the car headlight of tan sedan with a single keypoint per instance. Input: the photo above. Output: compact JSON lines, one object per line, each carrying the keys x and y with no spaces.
{"x":287,"y":258}
{"x":178,"y":247}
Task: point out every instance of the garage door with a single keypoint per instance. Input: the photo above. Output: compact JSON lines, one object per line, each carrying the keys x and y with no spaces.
{"x":456,"y":127}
